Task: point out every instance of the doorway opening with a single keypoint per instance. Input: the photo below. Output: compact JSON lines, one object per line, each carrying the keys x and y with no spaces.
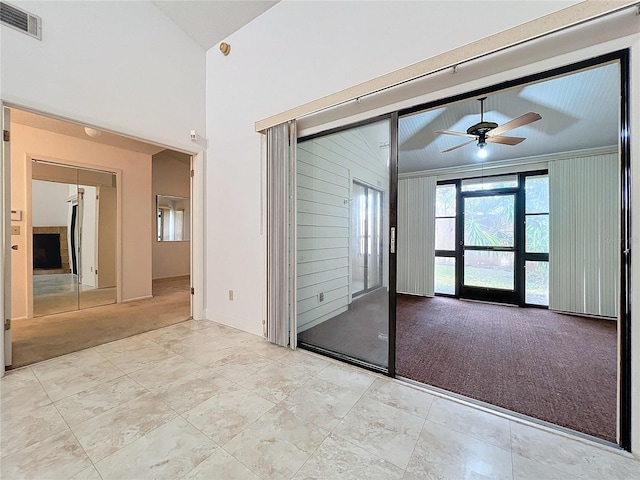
{"x":492,"y":238}
{"x":510,"y":282}
{"x":526,"y":309}
{"x":97,"y":194}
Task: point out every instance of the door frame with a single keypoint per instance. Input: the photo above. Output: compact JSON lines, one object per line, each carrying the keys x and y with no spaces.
{"x":485,"y":293}
{"x":5,"y":260}
{"x":521,"y":256}
{"x":622,"y":58}
{"x":197,"y":218}
{"x":392,"y":118}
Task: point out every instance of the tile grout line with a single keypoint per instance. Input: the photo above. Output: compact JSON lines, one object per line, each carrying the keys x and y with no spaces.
{"x":50,"y":403}
{"x":79,"y":443}
{"x":349,"y":440}
{"x":219,"y":446}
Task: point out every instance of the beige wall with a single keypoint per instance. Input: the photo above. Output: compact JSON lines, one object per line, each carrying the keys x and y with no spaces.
{"x":170,"y":177}
{"x":136,"y":215}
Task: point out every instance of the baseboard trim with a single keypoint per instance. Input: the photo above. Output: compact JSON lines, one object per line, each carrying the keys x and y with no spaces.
{"x":182,"y":275}
{"x":230,"y":321}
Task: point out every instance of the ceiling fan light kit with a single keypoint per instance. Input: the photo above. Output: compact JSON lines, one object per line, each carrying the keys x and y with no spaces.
{"x":490,"y":132}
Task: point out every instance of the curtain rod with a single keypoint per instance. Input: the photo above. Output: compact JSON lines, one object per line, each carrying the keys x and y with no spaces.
{"x":554,"y":22}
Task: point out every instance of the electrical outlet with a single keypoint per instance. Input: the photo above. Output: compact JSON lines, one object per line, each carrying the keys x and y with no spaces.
{"x":321,"y":296}
{"x":231,"y":295}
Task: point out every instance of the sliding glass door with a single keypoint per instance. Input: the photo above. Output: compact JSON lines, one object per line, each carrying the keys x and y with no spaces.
{"x":342,"y":244}
{"x":366,"y":238}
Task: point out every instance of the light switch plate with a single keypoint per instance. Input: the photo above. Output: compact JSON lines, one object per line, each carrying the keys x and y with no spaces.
{"x":16,"y":215}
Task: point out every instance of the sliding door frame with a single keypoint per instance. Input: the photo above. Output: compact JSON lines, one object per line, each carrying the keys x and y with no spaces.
{"x":390,"y":371}
{"x":622,"y":58}
{"x":624,"y":333}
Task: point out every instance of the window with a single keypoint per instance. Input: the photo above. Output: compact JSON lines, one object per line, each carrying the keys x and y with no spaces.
{"x":445,"y":261}
{"x":489,"y":183}
{"x":536,"y":256}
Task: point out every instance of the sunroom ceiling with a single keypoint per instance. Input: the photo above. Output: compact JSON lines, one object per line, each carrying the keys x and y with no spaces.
{"x":579,"y":111}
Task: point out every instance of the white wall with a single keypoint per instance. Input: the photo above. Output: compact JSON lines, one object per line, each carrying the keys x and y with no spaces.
{"x":170,"y":171}
{"x":50,"y":208}
{"x":135,"y":195}
{"x":119,"y":65}
{"x":294,"y":53}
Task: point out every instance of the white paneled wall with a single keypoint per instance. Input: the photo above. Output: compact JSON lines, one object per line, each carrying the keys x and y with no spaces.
{"x":326,"y":169}
{"x":416,"y":235}
{"x":584,"y":235}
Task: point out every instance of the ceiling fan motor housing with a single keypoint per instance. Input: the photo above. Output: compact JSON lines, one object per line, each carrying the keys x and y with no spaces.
{"x":481,"y":128}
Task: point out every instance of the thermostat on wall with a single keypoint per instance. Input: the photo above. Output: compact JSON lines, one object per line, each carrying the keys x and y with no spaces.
{"x":16,"y":215}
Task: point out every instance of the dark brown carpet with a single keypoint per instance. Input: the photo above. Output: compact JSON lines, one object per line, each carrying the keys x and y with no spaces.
{"x":558,"y":368}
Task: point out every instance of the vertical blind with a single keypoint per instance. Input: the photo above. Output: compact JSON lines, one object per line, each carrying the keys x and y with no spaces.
{"x":584,"y":235}
{"x":416,"y":235}
{"x":280,"y":156}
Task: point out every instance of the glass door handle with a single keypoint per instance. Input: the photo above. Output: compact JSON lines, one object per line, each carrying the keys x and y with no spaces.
{"x":392,"y":240}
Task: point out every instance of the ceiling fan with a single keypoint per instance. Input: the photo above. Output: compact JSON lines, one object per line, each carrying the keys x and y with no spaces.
{"x":490,"y":132}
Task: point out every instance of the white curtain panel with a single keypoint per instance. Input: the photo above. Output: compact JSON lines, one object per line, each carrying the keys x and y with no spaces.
{"x":280,"y":157}
{"x":415,"y":236}
{"x":584,"y":235}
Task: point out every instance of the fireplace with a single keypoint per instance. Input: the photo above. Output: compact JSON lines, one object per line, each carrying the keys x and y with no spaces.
{"x":46,"y":251}
{"x":50,"y":250}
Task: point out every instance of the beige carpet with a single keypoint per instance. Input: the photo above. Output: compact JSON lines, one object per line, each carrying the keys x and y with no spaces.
{"x":42,"y":338}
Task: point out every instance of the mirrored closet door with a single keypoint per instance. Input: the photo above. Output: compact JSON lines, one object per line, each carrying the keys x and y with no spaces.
{"x":74,"y":221}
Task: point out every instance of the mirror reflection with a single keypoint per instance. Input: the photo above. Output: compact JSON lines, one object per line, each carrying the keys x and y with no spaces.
{"x":172,"y":218}
{"x":74,"y":238}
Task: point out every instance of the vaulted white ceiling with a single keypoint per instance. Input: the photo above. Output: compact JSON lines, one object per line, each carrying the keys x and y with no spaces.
{"x":579,"y":111}
{"x":211,"y":21}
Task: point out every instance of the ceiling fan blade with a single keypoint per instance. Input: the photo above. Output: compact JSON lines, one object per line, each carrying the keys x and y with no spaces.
{"x":459,"y":134}
{"x":458,"y":146}
{"x":506,"y":140}
{"x":515,"y":123}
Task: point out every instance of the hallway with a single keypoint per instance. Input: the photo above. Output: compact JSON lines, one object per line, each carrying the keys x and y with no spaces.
{"x":43,"y":338}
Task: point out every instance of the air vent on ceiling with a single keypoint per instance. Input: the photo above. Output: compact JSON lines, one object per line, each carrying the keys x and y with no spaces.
{"x":21,"y":20}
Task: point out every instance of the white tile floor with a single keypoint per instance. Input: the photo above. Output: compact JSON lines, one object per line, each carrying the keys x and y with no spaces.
{"x":202,"y":401}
